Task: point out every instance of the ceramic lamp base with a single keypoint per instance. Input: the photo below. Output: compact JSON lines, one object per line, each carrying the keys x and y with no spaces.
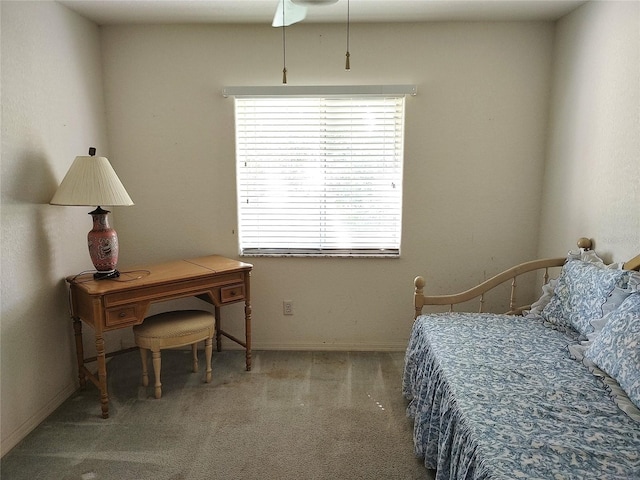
{"x":103,"y":245}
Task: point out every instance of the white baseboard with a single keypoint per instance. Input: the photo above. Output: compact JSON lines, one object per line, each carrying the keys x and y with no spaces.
{"x":311,"y":347}
{"x":332,"y":347}
{"x":31,"y":423}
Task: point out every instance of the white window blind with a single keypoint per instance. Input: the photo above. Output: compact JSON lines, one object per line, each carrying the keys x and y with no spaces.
{"x":320,"y":175}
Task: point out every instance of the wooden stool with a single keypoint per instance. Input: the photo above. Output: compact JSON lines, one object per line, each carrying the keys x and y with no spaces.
{"x":174,"y":329}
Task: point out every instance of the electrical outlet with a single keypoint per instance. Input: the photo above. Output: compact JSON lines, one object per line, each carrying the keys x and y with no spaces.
{"x":287,"y":307}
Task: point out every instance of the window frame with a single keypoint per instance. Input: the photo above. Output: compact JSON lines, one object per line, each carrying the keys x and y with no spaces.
{"x":342,"y":94}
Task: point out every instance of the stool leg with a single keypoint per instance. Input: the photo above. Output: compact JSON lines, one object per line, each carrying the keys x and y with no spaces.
{"x":145,"y":372}
{"x":208,"y":349}
{"x":156,"y":371}
{"x":194,"y":350}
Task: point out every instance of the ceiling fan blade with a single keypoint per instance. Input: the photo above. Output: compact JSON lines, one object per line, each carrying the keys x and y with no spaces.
{"x":292,"y":14}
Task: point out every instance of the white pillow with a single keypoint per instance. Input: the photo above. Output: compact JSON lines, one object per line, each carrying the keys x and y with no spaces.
{"x":547,"y":293}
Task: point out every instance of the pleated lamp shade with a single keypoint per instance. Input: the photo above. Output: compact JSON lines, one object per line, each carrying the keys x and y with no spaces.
{"x":91,"y":181}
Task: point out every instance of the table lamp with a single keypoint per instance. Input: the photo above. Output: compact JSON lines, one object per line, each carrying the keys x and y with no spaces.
{"x":91,"y":181}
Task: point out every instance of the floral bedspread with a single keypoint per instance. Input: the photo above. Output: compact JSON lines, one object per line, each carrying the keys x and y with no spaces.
{"x":498,"y":397}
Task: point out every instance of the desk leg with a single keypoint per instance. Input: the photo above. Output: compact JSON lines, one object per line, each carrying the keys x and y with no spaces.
{"x":247,"y":326}
{"x":218,"y":329}
{"x":102,"y":375}
{"x":77,"y":329}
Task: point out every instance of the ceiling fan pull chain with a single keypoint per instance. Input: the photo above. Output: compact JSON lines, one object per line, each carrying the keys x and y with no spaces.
{"x":347,"y":66}
{"x":284,"y":49}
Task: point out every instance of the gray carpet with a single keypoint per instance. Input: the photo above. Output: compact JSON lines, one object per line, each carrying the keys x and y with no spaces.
{"x":296,"y":415}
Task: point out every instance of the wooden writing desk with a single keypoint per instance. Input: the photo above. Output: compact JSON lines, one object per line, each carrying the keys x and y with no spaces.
{"x":123,"y":302}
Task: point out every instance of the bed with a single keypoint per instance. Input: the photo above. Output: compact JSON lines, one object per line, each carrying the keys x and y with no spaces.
{"x":547,"y":391}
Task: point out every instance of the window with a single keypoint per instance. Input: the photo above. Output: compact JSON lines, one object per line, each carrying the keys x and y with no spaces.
{"x":319,"y":175}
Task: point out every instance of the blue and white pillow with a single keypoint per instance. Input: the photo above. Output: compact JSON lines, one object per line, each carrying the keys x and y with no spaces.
{"x":617,"y":349}
{"x":581,"y":291}
{"x":625,"y":287}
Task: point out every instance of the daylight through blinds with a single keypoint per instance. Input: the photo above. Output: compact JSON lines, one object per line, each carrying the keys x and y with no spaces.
{"x":320,"y":175}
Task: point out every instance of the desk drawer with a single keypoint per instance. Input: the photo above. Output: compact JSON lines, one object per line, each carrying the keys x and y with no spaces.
{"x":232,"y":293}
{"x":125,"y":315}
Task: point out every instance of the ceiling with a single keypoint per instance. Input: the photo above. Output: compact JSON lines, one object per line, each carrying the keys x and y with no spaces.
{"x":112,"y":12}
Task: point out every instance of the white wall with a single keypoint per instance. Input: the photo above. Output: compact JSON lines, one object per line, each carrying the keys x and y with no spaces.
{"x":52,"y":110}
{"x":592,"y":177}
{"x":475,"y":145}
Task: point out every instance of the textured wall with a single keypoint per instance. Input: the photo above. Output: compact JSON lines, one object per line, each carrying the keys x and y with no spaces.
{"x":52,"y":110}
{"x":592,"y":176}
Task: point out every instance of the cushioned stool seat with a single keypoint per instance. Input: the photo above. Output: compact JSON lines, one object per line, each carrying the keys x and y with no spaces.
{"x":174,"y":329}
